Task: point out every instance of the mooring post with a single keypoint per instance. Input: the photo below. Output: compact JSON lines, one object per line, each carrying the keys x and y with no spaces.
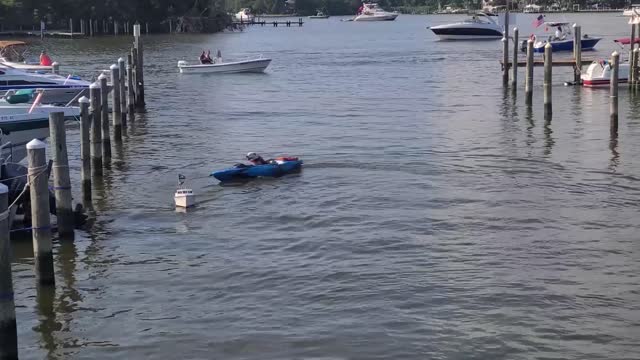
{"x":134,"y":69}
{"x":505,"y":61}
{"x":633,"y":71}
{"x":71,"y":27}
{"x":632,"y":64}
{"x":106,"y":136}
{"x":146,"y":25}
{"x":55,"y":67}
{"x":123,"y":94}
{"x":130,"y":89}
{"x":170,"y":26}
{"x":82,"y":27}
{"x":514,"y":63}
{"x":115,"y":103}
{"x":85,"y":148}
{"x":8,"y":327}
{"x":613,"y":92}
{"x":91,"y":27}
{"x":528,"y":84}
{"x":96,"y":130}
{"x":61,"y":179}
{"x":40,"y":221}
{"x":548,"y":66}
{"x":139,"y":67}
{"x":115,"y":27}
{"x":577,"y":53}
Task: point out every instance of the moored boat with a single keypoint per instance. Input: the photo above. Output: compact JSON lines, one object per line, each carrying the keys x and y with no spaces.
{"x":319,"y":15}
{"x":480,"y":26}
{"x":562,"y":40}
{"x":599,"y":74}
{"x":244,"y":15}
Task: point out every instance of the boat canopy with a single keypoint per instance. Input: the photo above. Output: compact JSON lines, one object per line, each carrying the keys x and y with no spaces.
{"x":6,"y":44}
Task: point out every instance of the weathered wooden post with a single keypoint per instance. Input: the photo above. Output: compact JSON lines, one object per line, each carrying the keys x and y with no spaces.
{"x":71,"y":27}
{"x":91,"y":27}
{"x":633,"y":71}
{"x":130,"y":89}
{"x":96,"y":130}
{"x":115,"y":27}
{"x":170,"y":26}
{"x":134,"y":69}
{"x":514,"y":63}
{"x":61,"y":179}
{"x":548,"y":66}
{"x":613,"y":92}
{"x":40,"y":221}
{"x":106,"y":136}
{"x":55,"y":67}
{"x":528,"y":85}
{"x":632,"y":64}
{"x":146,"y":25}
{"x":116,"y":103}
{"x":577,"y":53}
{"x":505,"y":61}
{"x":8,"y":327}
{"x":123,"y":91}
{"x":140,"y":103}
{"x":85,"y":148}
{"x":82,"y":27}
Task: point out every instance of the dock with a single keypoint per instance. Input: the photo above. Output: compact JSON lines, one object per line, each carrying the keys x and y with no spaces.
{"x":562,"y":62}
{"x":51,"y":34}
{"x":287,"y":23}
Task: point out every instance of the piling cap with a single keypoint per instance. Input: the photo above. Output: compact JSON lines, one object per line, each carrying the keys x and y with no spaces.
{"x":515,"y":28}
{"x":504,"y":39}
{"x":102,"y":76}
{"x":113,"y":67}
{"x":55,"y":63}
{"x":615,"y":53}
{"x":35,"y":144}
{"x":84,"y":100}
{"x":548,"y":46}
{"x":94,"y":85}
{"x":3,"y":189}
{"x":120,"y":60}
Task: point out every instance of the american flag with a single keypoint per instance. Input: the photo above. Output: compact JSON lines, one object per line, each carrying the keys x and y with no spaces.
{"x":538,"y":21}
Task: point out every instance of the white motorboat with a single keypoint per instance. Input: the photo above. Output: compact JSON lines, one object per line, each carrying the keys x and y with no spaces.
{"x":599,"y":74}
{"x":12,"y":53}
{"x":480,"y":26}
{"x":373,"y":12}
{"x":220,"y":67}
{"x":244,"y":15}
{"x":21,"y":123}
{"x":532,"y":9}
{"x":319,"y":15}
{"x":63,"y":88}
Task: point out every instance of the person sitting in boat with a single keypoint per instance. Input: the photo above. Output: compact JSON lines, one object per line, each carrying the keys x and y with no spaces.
{"x":45,"y":60}
{"x":256,"y":159}
{"x":559,"y":33}
{"x":205,"y":59}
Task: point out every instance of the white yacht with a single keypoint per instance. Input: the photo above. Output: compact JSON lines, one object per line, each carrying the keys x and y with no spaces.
{"x":244,"y":15}
{"x":61,"y":89}
{"x":631,"y":11}
{"x":373,"y":12}
{"x":532,"y":9}
{"x":479,"y":26}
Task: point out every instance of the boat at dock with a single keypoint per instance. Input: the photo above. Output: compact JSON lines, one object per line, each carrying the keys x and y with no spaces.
{"x":562,"y":40}
{"x":220,"y":67}
{"x":12,"y":53}
{"x":373,"y":12}
{"x":598,"y":74}
{"x":634,"y":9}
{"x":61,"y":89}
{"x":480,"y":26}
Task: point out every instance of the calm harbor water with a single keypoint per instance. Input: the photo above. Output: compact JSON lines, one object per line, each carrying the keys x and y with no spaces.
{"x":437,"y":216}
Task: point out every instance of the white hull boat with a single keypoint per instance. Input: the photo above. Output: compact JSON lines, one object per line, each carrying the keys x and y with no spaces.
{"x":478,"y":27}
{"x":372,"y":12}
{"x":59,"y":89}
{"x":599,"y":74}
{"x":25,"y":66}
{"x":244,"y":15}
{"x":252,"y":66}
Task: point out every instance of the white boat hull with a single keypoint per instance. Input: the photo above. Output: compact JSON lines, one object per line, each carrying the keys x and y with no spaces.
{"x":469,"y":37}
{"x":185,"y":201}
{"x":254,"y":66}
{"x":27,"y":67}
{"x":598,"y":75}
{"x":386,"y":17}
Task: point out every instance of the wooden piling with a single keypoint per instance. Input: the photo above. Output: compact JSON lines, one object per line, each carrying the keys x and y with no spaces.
{"x":61,"y":179}
{"x":55,"y":67}
{"x":146,"y":25}
{"x":8,"y":327}
{"x":632,"y":46}
{"x":514,"y":64}
{"x":548,"y":65}
{"x":85,"y":148}
{"x":577,"y":54}
{"x":40,"y":221}
{"x":528,"y":89}
{"x":134,"y":68}
{"x":82,"y":27}
{"x":123,"y":92}
{"x":96,"y":130}
{"x":130,"y":89}
{"x":116,"y":114}
{"x":115,"y":27}
{"x":633,"y":70}
{"x":140,"y":103}
{"x":71,"y":27}
{"x":613,"y":92}
{"x":91,"y":27}
{"x":505,"y":61}
{"x":106,"y":134}
{"x":170,"y":26}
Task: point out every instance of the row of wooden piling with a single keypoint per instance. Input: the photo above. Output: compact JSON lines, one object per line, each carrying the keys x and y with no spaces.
{"x":94,"y":27}
{"x":95,"y":153}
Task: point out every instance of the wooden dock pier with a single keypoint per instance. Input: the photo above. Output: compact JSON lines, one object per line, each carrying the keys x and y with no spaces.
{"x":540,"y":62}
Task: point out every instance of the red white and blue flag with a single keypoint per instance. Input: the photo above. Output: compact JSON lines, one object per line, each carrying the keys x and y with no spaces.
{"x":538,"y":21}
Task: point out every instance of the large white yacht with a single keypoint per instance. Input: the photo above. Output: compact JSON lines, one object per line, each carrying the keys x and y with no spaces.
{"x":373,"y":12}
{"x":479,"y":26}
